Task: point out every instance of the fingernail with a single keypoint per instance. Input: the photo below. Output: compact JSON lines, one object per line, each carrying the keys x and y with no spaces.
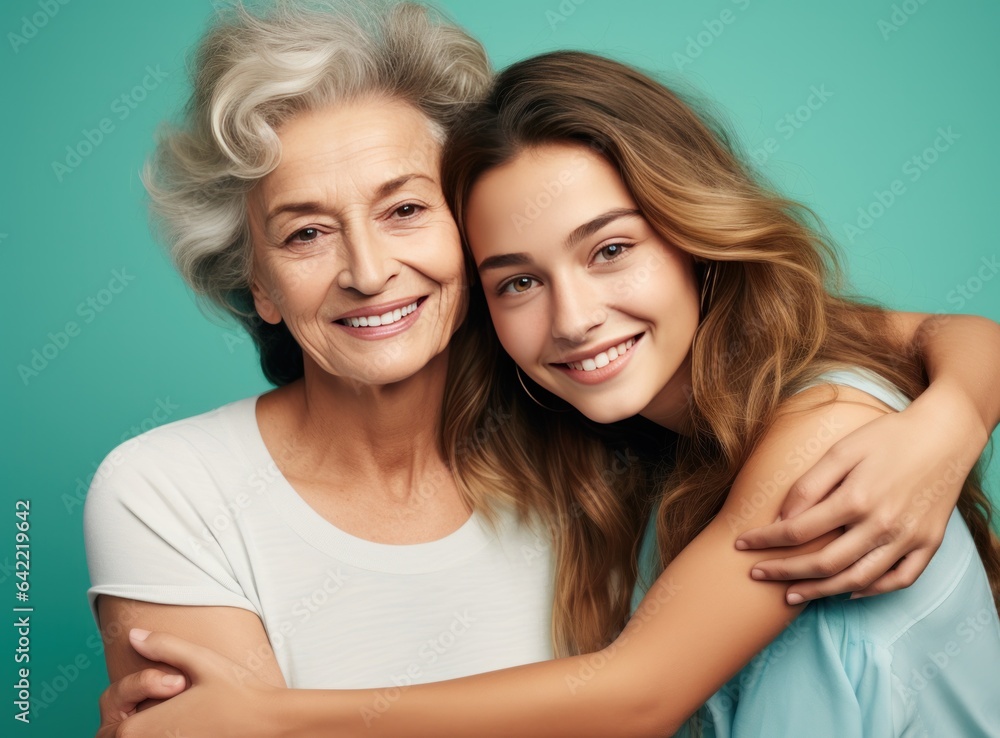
{"x":138,"y":634}
{"x":172,"y":680}
{"x":795,"y":599}
{"x":741,"y":545}
{"x":123,"y":715}
{"x":757,"y":573}
{"x":856,"y":596}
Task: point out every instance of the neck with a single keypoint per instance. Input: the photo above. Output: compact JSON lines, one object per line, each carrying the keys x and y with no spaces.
{"x":386,"y":435}
{"x":671,"y":407}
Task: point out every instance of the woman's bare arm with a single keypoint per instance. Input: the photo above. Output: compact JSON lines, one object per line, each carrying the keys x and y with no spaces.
{"x":961,"y":352}
{"x":699,"y":624}
{"x":895,"y":526}
{"x":893,"y":483}
{"x":236,"y":633}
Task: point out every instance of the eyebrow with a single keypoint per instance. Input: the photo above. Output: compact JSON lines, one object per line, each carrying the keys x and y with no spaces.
{"x":384,"y":190}
{"x":392,"y":185}
{"x":579,"y":233}
{"x":504,"y":260}
{"x":593,"y":226}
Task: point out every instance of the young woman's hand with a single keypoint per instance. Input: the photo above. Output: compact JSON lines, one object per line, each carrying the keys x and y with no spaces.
{"x":891,"y":485}
{"x":139,"y":690}
{"x":224,"y":698}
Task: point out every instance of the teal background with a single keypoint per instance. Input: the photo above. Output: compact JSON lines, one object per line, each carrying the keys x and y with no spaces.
{"x":150,"y":347}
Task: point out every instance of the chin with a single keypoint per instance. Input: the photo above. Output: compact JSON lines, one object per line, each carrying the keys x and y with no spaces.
{"x":388,"y":373}
{"x":606,"y":414}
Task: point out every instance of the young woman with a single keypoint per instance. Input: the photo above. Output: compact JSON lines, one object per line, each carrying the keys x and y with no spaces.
{"x":662,"y":279}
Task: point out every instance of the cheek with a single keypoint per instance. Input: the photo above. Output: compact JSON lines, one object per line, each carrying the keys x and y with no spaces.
{"x":302,"y":286}
{"x":448,"y":274}
{"x":444,"y":261}
{"x":520,"y":331}
{"x":666,"y":283}
{"x":455,"y":274}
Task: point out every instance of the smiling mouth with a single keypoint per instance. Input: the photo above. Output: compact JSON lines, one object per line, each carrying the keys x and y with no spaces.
{"x":604,"y":358}
{"x":386,"y":318}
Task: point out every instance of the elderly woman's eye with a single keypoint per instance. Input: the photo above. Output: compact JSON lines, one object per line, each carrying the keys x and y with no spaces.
{"x":305,"y":235}
{"x":408,"y":210}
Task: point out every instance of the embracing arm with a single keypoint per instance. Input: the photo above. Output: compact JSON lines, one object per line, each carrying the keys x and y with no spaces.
{"x":237,"y":634}
{"x":699,"y":624}
{"x":893,"y":483}
{"x":961,"y":354}
{"x":147,"y":539}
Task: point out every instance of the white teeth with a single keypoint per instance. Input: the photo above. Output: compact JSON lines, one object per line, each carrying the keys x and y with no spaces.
{"x":602,"y":359}
{"x":369,"y":321}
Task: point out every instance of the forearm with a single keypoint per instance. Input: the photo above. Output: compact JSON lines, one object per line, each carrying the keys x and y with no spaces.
{"x":697,"y":626}
{"x":668,"y":660}
{"x":961,"y":354}
{"x":575,"y":697}
{"x":684,"y":642}
{"x":701,"y":621}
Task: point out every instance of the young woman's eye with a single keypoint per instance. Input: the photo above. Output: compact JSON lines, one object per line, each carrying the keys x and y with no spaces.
{"x":407,"y":210}
{"x":516,"y":286}
{"x":611,"y":252}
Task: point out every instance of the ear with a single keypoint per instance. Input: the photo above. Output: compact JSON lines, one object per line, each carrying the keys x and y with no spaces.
{"x":264,"y":303}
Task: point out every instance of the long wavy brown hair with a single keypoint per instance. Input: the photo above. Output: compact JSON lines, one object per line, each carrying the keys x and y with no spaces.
{"x":776,"y":316}
{"x":257,"y":67}
{"x":585,"y":489}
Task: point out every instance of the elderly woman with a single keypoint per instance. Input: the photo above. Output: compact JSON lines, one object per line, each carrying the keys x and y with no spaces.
{"x":375,"y":521}
{"x":317,"y":534}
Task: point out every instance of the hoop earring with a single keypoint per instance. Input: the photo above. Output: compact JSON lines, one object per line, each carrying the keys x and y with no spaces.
{"x":708,"y":280}
{"x":517,"y":371}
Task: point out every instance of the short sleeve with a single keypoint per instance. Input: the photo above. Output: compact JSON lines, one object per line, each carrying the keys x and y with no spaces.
{"x":148,"y":532}
{"x":815,"y":680}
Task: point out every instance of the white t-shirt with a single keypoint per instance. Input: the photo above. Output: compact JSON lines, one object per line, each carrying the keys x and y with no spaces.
{"x":197,"y":513}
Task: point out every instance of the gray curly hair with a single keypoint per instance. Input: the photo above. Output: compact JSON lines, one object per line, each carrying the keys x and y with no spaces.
{"x":252,"y":72}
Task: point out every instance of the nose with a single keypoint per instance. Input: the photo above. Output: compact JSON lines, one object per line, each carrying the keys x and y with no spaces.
{"x":369,"y":263}
{"x":576,"y":310}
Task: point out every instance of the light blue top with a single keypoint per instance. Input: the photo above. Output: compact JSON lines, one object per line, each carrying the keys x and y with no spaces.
{"x":923,"y":661}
